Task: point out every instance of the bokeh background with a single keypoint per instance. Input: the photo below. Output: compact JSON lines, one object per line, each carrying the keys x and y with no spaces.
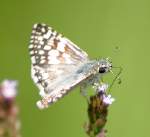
{"x":103,"y":28}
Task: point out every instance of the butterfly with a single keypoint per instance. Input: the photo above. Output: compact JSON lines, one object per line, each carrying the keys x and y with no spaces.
{"x":58,"y":65}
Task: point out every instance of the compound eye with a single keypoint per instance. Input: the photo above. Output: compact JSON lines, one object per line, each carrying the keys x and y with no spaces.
{"x":102,"y":70}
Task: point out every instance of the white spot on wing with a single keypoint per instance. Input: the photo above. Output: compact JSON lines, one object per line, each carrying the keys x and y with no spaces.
{"x":43,"y":57}
{"x":42,"y":42}
{"x":33,"y":60}
{"x":42,"y":61}
{"x":30,"y":46}
{"x":43,"y":30}
{"x":40,"y":105}
{"x":54,"y":33}
{"x":47,"y":35}
{"x":40,"y":38}
{"x":35,"y":25}
{"x":51,"y":42}
{"x":33,"y":31}
{"x":53,"y":53}
{"x":32,"y":37}
{"x":36,"y":51}
{"x":31,"y":52}
{"x":41,"y":52}
{"x":31,"y":41}
{"x":39,"y":46}
{"x":46,"y":47}
{"x":61,"y":46}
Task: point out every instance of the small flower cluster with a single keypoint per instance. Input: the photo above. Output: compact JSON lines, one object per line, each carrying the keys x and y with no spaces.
{"x":106,"y":99}
{"x":9,"y":122}
{"x":98,"y":111}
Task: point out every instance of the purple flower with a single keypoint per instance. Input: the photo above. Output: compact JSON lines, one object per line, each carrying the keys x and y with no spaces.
{"x":8,"y":88}
{"x":107,"y":99}
{"x":102,"y":88}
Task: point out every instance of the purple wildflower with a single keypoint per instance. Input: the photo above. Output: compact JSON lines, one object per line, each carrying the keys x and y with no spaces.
{"x":9,"y":89}
{"x":102,"y":88}
{"x":107,"y":99}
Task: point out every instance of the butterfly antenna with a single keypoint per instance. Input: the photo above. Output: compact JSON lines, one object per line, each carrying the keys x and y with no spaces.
{"x":116,"y":77}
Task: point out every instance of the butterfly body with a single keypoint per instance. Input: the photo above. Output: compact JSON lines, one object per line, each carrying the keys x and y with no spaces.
{"x":58,"y":65}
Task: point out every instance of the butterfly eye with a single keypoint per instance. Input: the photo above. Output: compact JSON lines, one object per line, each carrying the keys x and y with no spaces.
{"x":102,"y":70}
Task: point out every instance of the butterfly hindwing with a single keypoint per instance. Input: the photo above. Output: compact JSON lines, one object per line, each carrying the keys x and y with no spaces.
{"x":62,"y":85}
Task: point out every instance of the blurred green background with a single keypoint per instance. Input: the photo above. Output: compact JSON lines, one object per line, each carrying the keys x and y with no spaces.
{"x":98,"y":27}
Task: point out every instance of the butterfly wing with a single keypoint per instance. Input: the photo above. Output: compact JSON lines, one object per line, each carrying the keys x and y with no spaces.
{"x":49,"y":47}
{"x":63,"y":84}
{"x":54,"y":59}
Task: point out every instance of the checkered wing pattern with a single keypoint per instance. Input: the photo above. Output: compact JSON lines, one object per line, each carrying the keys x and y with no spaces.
{"x":54,"y":58}
{"x":49,"y":47}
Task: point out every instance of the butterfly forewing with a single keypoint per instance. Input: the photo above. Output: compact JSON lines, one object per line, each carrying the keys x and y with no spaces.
{"x":49,"y":47}
{"x":54,"y":59}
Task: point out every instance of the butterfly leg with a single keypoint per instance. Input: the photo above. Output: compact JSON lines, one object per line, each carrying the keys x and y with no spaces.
{"x":94,"y":82}
{"x":83,"y":89}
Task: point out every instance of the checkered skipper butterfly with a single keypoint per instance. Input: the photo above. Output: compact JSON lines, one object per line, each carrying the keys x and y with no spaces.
{"x":58,"y":65}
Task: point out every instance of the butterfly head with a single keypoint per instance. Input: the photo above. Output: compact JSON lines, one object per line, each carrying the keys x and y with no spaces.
{"x":105,"y":65}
